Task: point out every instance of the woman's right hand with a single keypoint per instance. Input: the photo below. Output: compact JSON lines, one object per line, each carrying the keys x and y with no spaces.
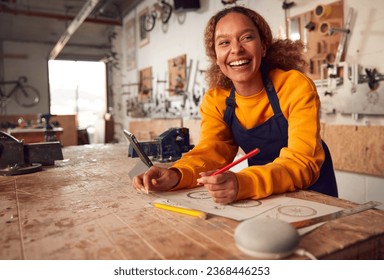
{"x":156,"y":179}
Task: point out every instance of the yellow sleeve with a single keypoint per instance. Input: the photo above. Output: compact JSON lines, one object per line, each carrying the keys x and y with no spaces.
{"x":216,"y":147}
{"x":298,"y":165}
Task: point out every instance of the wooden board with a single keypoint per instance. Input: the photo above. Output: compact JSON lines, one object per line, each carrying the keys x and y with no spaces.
{"x":177,"y":68}
{"x":145,"y":87}
{"x":356,"y":148}
{"x":148,"y":129}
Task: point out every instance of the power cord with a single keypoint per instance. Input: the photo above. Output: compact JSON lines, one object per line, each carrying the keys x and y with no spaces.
{"x":305,"y":253}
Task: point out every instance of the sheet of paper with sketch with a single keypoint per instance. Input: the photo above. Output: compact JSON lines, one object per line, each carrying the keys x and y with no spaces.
{"x":280,"y":207}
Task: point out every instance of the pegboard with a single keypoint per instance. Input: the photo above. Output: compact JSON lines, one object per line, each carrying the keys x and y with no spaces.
{"x":342,"y":87}
{"x":316,"y":28}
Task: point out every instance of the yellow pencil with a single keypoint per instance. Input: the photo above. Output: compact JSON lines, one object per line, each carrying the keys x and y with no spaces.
{"x":190,"y":212}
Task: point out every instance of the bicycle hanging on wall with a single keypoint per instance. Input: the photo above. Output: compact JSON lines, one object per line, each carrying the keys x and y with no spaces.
{"x":163,"y":9}
{"x":25,"y":95}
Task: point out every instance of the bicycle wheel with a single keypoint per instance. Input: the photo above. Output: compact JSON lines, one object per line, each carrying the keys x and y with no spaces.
{"x":166,"y":12}
{"x":27,"y":96}
{"x":149,"y":21}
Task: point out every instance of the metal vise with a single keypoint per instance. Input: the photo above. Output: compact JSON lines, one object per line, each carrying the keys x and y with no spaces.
{"x":19,"y":158}
{"x":166,"y":147}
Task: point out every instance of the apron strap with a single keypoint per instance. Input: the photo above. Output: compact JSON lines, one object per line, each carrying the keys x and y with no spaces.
{"x":229,"y":112}
{"x":271,"y":92}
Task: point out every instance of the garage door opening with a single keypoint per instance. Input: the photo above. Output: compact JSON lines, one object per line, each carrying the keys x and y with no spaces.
{"x":79,"y":87}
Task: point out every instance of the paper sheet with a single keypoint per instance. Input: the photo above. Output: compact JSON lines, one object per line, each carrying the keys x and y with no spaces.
{"x":139,"y":168}
{"x":277,"y":206}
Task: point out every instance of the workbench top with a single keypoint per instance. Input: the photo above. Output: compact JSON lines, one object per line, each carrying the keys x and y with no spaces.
{"x":85,"y":208}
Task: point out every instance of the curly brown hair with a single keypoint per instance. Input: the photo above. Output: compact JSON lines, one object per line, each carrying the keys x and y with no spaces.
{"x":280,"y":53}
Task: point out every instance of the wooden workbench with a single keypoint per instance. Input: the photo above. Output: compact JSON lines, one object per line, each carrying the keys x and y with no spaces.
{"x":85,"y":208}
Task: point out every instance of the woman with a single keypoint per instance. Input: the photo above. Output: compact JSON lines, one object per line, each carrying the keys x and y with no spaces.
{"x":258,"y":97}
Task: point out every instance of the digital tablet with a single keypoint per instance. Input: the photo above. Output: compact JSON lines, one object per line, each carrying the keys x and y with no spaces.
{"x":136,"y":146}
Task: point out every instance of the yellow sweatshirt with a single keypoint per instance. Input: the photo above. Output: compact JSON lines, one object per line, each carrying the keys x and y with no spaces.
{"x":297,"y":166}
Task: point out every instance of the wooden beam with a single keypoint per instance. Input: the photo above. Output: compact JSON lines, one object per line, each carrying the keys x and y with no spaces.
{"x":73,"y":26}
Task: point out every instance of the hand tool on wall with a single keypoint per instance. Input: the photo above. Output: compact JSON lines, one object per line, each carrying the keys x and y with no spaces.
{"x":343,"y":39}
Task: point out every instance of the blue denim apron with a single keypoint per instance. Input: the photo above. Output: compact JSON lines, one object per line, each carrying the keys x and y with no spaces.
{"x":271,"y":136}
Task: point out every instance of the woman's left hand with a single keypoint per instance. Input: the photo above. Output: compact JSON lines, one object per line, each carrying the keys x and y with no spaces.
{"x":222,"y":187}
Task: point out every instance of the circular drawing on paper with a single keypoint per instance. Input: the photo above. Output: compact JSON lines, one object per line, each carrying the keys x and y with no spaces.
{"x":199,"y":195}
{"x":246,"y":203}
{"x":297,"y":211}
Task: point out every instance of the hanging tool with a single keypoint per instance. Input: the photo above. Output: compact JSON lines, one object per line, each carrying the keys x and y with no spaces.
{"x":372,"y":77}
{"x":332,"y":68}
{"x":345,"y":31}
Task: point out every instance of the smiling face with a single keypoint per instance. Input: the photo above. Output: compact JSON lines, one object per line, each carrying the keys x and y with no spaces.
{"x":239,"y":51}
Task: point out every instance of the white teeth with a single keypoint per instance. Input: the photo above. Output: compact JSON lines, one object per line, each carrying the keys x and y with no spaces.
{"x":239,"y":62}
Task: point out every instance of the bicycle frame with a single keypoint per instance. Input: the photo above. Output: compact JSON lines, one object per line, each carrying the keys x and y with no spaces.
{"x":18,"y":84}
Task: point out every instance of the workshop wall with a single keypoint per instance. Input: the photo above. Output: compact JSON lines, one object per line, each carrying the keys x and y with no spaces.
{"x":29,"y":60}
{"x":183,"y":35}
